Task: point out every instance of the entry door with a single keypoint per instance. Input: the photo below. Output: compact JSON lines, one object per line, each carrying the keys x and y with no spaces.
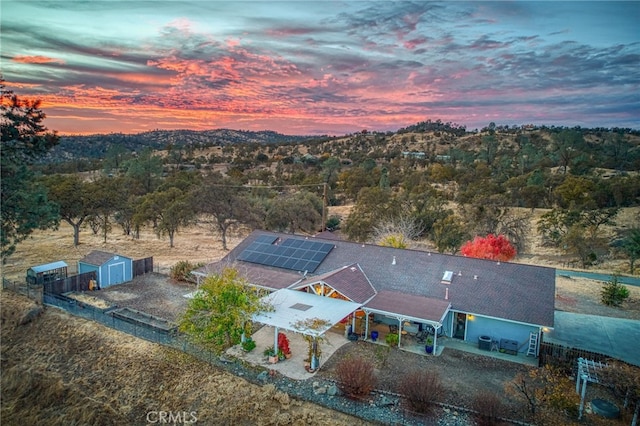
{"x":459,"y":325}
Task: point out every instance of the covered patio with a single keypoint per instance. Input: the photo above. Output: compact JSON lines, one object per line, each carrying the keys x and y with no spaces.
{"x":407,"y":315}
{"x":303,"y":313}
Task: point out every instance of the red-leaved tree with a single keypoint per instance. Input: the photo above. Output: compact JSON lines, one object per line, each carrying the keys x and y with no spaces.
{"x":490,"y":247}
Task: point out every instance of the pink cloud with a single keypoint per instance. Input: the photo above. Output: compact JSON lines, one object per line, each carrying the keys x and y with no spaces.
{"x":38,"y":59}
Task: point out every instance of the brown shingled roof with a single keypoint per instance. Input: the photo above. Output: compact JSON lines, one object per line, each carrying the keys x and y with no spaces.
{"x":350,"y":281}
{"x":506,"y":290}
{"x":416,"y":307}
{"x":255,"y":274}
{"x":98,"y":258}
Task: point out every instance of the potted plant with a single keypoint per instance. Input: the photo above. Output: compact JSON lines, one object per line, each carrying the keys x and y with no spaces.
{"x":271,"y":354}
{"x":392,"y":339}
{"x":429,"y":345}
{"x":248,"y":345}
{"x":283,"y":345}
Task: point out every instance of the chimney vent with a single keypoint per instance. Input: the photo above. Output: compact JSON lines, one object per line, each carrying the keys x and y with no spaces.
{"x":393,"y":262}
{"x":446,"y":293}
{"x":475,"y":277}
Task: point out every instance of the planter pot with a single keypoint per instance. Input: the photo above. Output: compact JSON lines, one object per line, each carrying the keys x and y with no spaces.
{"x":287,"y":356}
{"x":273,"y":359}
{"x":428,"y":349}
{"x":374,"y":336}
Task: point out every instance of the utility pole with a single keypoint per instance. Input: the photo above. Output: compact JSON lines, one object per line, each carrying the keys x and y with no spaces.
{"x":324,"y":207}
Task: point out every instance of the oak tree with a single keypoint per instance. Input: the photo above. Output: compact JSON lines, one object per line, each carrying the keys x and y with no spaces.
{"x":221,"y":310}
{"x":25,"y":206}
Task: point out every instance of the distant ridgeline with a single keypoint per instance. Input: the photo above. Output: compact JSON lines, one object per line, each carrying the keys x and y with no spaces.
{"x":599,"y":141}
{"x":96,"y":146}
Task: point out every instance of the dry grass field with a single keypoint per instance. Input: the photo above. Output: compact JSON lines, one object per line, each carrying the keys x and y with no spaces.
{"x":199,"y":244}
{"x":62,"y":370}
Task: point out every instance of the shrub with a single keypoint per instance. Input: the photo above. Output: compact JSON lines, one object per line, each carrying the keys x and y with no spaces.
{"x":333,"y":223}
{"x":283,"y":343}
{"x":181,"y":271}
{"x":421,"y":390}
{"x":249,"y":345}
{"x":392,"y":339}
{"x":613,"y":293}
{"x":355,"y":377}
{"x":489,"y":409}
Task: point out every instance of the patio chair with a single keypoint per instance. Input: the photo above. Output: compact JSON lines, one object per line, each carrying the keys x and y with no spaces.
{"x":393,"y":328}
{"x":421,"y":336}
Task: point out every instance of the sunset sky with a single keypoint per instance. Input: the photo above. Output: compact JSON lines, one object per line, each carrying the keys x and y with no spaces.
{"x":322,"y":67}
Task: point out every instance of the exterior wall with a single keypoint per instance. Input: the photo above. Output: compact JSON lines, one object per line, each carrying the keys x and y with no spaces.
{"x":85,"y":267}
{"x":116,"y":270}
{"x":497,"y":329}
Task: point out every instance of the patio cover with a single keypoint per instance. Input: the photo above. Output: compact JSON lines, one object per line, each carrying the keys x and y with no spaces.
{"x":409,"y":307}
{"x":49,"y":266}
{"x":291,"y":306}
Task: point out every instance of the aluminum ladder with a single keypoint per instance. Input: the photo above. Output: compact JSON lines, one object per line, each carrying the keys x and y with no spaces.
{"x":533,"y":344}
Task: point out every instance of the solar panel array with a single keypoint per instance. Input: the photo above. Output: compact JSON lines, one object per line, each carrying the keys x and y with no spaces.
{"x":292,"y":253}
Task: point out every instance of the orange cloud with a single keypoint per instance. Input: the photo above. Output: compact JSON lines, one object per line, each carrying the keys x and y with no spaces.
{"x":38,"y":59}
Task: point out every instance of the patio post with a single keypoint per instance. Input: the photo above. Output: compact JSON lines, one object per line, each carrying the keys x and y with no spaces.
{"x":399,"y":331}
{"x":353,"y":322}
{"x":366,"y":324}
{"x":275,"y":341}
{"x":435,"y":340}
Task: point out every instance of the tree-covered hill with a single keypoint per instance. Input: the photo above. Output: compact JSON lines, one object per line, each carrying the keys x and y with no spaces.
{"x":96,"y":146}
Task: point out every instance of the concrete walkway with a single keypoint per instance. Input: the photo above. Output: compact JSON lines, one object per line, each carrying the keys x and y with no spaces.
{"x":616,"y":337}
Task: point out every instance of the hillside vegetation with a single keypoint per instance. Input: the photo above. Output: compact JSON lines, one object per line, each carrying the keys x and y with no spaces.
{"x":434,"y":183}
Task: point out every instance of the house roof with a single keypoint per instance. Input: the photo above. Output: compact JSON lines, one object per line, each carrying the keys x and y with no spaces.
{"x":410,"y":306}
{"x":261,"y":276}
{"x":49,"y":266}
{"x":98,"y":258}
{"x":292,"y":308}
{"x":350,"y":281}
{"x":511,"y":291}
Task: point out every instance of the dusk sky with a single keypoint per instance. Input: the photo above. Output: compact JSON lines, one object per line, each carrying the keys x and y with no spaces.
{"x":322,"y":67}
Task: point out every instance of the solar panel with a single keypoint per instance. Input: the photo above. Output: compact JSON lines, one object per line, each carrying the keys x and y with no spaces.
{"x":292,"y":253}
{"x":266,"y":239}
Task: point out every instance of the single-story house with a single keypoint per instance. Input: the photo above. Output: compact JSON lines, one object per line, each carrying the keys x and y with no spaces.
{"x":474,"y":300}
{"x":110,"y":268}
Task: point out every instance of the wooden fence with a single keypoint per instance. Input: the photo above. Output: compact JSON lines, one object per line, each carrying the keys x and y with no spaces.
{"x":142,"y":266}
{"x":74,"y":283}
{"x":564,"y":357}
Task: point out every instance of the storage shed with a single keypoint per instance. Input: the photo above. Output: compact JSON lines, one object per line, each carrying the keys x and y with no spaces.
{"x":46,"y":273}
{"x":110,"y":268}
